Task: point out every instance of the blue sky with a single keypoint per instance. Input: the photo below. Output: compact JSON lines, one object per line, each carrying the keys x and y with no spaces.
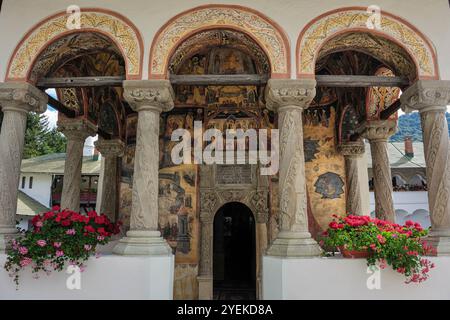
{"x":52,"y":114}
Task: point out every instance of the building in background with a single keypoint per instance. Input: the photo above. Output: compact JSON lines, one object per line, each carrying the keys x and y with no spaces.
{"x":41,"y":183}
{"x":408,"y":171}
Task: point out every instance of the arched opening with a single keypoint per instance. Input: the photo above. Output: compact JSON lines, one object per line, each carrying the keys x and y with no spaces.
{"x":234,"y":253}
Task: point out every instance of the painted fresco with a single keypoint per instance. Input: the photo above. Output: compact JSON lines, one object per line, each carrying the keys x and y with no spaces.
{"x":177,"y":211}
{"x":324,"y":166}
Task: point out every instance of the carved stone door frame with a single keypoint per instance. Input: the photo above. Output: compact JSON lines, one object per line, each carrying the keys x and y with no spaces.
{"x":214,"y":195}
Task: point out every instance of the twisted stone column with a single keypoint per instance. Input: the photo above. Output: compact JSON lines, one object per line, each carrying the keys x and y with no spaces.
{"x":149,"y":98}
{"x":76,"y":132}
{"x":351,"y":152}
{"x":289,"y":98}
{"x":16,"y":100}
{"x":431,"y":98}
{"x":107,"y":198}
{"x":378,"y":133}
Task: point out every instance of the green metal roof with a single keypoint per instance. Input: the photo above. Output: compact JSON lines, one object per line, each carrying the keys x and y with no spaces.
{"x":27,"y":206}
{"x":397,"y":158}
{"x":54,"y":164}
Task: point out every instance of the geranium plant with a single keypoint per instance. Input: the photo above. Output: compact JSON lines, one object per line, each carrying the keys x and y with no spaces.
{"x":401,"y":247}
{"x":58,"y":237}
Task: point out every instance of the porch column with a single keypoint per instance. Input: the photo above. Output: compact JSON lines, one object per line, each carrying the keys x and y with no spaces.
{"x":430,"y":98}
{"x":289,"y":98}
{"x":16,"y":100}
{"x":76,"y":131}
{"x":107,"y":199}
{"x":149,"y":98}
{"x":378,"y":133}
{"x":352,"y":151}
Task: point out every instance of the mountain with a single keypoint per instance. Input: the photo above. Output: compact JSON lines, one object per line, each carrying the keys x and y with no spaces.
{"x":409,"y":125}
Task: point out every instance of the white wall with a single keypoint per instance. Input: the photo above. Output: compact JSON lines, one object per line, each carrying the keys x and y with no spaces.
{"x":41,"y":190}
{"x":108,"y":277}
{"x":409,"y":205}
{"x":338,"y":278}
{"x":431,"y":17}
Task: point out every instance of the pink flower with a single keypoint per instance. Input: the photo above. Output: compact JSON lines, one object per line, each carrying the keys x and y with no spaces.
{"x":41,"y":243}
{"x":71,"y":232}
{"x":373,"y":246}
{"x":100,"y":238}
{"x":59,"y":253}
{"x":25,"y":262}
{"x":39,"y":224}
{"x":87,"y":247}
{"x":15,"y":245}
{"x":381,"y":239}
{"x":57,"y":244}
{"x":382,"y":264}
{"x":23,"y":250}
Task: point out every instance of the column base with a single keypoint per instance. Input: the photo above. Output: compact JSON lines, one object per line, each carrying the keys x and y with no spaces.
{"x":143,"y":243}
{"x":205,"y":287}
{"x":6,"y":235}
{"x":440,"y":240}
{"x":294,"y":244}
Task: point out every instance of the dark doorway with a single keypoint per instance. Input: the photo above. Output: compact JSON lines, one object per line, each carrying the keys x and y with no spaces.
{"x":234,"y":261}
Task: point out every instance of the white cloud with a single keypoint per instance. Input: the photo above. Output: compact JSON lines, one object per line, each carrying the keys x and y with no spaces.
{"x":52,"y":117}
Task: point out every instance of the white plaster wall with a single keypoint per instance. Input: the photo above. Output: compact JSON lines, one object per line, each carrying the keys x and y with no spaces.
{"x":409,"y":201}
{"x":429,"y":16}
{"x":108,"y":277}
{"x":337,"y":278}
{"x":41,"y":190}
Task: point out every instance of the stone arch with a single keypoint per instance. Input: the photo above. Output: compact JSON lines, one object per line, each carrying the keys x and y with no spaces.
{"x":265,"y":32}
{"x":116,"y":27}
{"x":211,"y":201}
{"x":353,"y":19}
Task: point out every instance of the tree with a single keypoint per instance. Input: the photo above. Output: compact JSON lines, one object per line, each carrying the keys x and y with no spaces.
{"x":40,"y":139}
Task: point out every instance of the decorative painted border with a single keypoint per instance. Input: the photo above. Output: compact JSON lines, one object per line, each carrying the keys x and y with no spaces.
{"x":113,"y":25}
{"x":353,"y":19}
{"x":267,"y":33}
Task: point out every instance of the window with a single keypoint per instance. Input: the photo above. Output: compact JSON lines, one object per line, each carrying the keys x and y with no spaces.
{"x":30,"y":183}
{"x":23,"y":182}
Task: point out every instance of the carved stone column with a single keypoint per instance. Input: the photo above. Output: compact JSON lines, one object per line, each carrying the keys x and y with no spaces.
{"x":205,"y":272}
{"x":76,"y":132}
{"x":110,"y":151}
{"x":431,"y":98}
{"x":378,"y":133}
{"x":149,"y":98}
{"x":16,"y":100}
{"x":289,"y":98}
{"x":351,"y":152}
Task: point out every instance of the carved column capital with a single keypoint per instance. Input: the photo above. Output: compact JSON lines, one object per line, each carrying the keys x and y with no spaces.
{"x":156,"y":95}
{"x":426,"y":95}
{"x":77,"y":129}
{"x":352,"y":149}
{"x":379,"y":130}
{"x":284,"y":93}
{"x":110,"y":148}
{"x":22,"y":97}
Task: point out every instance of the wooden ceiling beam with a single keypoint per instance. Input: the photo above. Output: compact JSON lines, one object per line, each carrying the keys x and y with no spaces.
{"x":337,"y":81}
{"x":80,"y":82}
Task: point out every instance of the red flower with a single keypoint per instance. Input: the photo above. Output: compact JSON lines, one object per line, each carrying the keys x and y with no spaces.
{"x":89,"y":229}
{"x":100,"y":219}
{"x":333,"y":225}
{"x":66,"y":223}
{"x":409,"y":223}
{"x":92,"y":214}
{"x":56,"y":208}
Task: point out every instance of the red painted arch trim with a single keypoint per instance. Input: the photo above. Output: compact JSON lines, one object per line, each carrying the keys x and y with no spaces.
{"x":89,"y":9}
{"x":385,"y":35}
{"x":280,"y":31}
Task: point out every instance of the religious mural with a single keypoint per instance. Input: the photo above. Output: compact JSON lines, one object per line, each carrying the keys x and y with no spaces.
{"x":324,"y":166}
